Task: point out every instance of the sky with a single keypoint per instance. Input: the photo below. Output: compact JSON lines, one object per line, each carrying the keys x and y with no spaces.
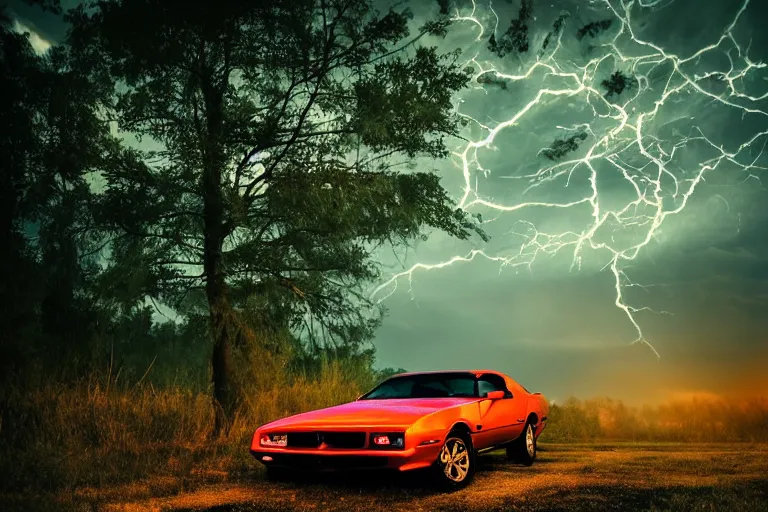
{"x":551,"y":320}
{"x":663,"y":197}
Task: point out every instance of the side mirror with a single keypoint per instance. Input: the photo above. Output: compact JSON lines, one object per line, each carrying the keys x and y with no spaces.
{"x":494,"y":395}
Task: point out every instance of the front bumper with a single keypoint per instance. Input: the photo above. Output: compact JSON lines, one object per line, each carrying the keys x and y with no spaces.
{"x":334,"y":460}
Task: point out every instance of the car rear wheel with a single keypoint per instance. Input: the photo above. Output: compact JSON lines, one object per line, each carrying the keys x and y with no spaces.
{"x":455,"y":466}
{"x":523,"y":449}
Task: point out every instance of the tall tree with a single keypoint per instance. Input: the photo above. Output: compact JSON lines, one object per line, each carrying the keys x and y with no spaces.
{"x":74,"y":144}
{"x":277,"y":128}
{"x":53,"y":137}
{"x":20,"y":71}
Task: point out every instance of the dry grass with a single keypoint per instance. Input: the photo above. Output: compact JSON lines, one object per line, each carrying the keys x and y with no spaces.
{"x":620,"y":477}
{"x":87,"y":435}
{"x":92,"y":443}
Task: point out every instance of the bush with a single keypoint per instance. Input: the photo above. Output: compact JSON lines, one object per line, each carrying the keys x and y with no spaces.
{"x":695,"y":420}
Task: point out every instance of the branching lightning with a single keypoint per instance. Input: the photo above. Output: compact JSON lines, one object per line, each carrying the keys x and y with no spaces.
{"x":616,"y":140}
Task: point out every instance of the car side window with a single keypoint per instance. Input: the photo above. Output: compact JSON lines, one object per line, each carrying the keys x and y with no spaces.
{"x":488,"y":383}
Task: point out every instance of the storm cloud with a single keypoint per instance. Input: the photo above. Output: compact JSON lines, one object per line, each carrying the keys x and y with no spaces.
{"x":693,"y":139}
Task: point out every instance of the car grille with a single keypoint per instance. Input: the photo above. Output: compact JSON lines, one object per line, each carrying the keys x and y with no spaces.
{"x":342,"y":440}
{"x":303,"y":439}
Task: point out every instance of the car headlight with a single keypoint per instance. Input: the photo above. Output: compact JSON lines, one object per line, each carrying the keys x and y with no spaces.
{"x":274,"y":440}
{"x":388,"y":440}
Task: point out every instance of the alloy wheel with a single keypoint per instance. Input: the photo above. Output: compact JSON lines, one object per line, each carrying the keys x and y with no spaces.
{"x":455,"y":459}
{"x":530,"y":445}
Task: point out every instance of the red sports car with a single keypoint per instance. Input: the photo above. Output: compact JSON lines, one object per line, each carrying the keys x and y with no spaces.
{"x":437,"y":420}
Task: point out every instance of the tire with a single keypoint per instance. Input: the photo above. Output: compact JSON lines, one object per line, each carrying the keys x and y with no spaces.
{"x":455,"y":465}
{"x":523,"y":449}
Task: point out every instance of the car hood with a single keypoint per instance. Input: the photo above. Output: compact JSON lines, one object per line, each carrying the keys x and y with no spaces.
{"x":369,"y":413}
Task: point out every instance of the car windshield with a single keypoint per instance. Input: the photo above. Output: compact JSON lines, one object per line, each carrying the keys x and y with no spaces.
{"x":431,"y":385}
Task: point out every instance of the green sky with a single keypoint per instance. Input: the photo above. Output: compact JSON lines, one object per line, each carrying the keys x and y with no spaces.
{"x":553,"y":325}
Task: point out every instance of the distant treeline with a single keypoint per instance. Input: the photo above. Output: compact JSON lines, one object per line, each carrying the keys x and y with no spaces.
{"x":693,"y":420}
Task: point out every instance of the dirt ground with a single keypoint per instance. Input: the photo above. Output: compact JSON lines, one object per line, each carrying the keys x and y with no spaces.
{"x":565,"y":477}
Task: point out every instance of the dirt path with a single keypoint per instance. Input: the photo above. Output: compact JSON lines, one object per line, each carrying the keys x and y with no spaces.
{"x":565,"y":477}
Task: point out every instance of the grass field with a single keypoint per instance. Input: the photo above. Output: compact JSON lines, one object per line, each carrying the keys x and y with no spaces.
{"x":701,"y":477}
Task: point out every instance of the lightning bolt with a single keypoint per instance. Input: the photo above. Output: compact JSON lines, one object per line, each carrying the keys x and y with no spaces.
{"x":619,"y":139}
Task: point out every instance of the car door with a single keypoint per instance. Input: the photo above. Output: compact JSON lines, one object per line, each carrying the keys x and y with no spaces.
{"x":499,"y":418}
{"x":519,"y":407}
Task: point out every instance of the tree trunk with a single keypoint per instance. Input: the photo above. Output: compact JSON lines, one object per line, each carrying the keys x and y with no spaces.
{"x":224,"y":396}
{"x":223,"y":329}
{"x":220,"y":311}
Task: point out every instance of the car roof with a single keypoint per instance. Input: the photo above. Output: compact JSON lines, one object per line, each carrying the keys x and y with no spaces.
{"x":476,"y":373}
{"x":510,"y":381}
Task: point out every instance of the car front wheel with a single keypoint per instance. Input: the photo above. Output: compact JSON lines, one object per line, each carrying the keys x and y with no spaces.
{"x":455,"y":466}
{"x":523,"y":449}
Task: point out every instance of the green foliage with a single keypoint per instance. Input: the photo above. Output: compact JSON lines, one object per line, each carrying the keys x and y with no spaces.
{"x":52,"y":139}
{"x":515,"y":39}
{"x":19,"y":291}
{"x":617,"y":83}
{"x":594,"y":28}
{"x":386,"y":373}
{"x":488,"y":78}
{"x":392,"y":114}
{"x":557,"y":28}
{"x":438,"y":28}
{"x":52,"y":6}
{"x":561,"y":147}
